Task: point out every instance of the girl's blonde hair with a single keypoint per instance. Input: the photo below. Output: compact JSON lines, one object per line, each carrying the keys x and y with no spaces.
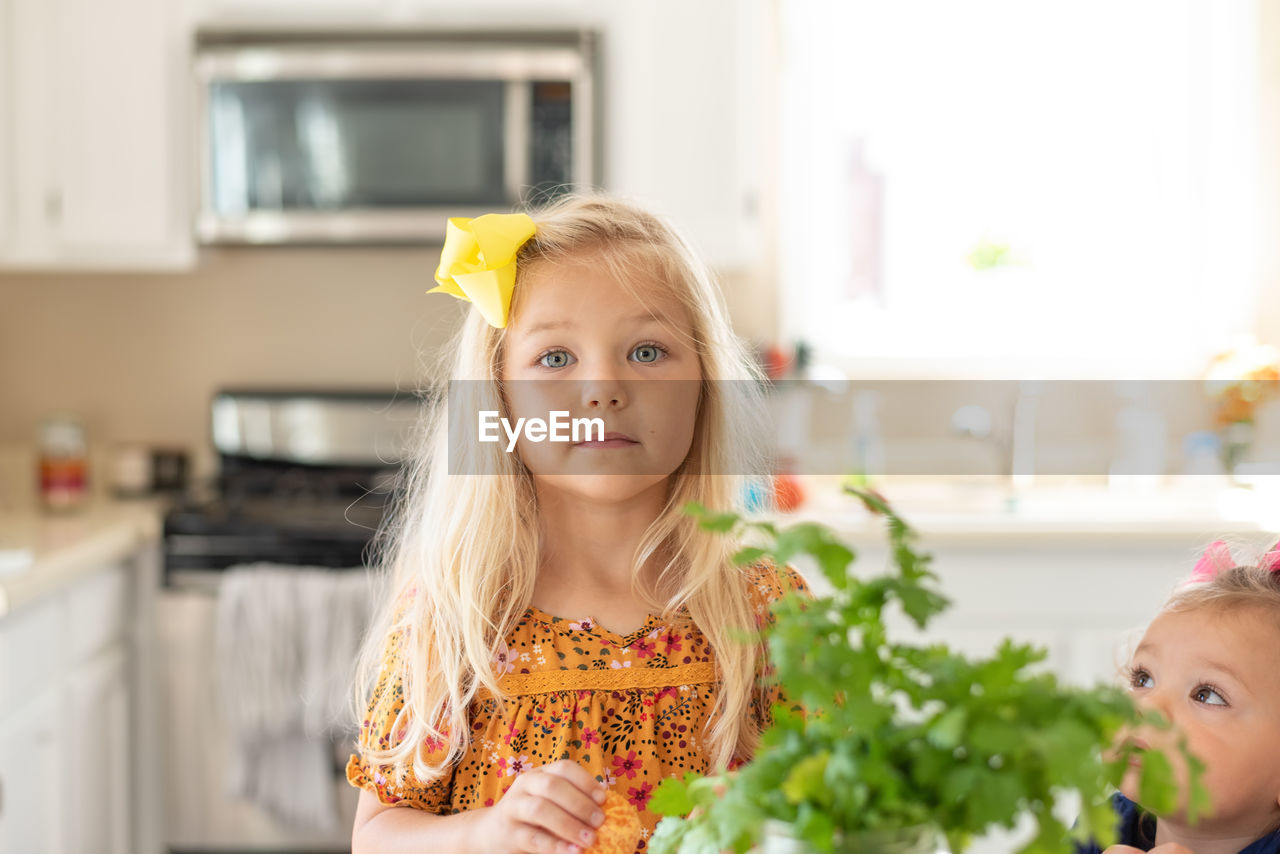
{"x":1252,"y":583}
{"x":460,"y":554}
{"x":1233,"y":586}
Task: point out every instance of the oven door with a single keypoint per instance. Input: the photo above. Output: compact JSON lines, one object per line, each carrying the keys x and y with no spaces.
{"x":199,"y":814}
{"x":379,"y":141}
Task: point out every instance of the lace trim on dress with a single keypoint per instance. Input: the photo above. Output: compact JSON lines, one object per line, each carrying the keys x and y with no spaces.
{"x":554,"y":681}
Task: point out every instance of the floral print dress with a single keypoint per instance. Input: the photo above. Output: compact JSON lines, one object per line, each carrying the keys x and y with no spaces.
{"x":629,"y":708}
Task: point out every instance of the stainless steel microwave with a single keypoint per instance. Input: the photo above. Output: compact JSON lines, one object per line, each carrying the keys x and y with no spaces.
{"x":380,"y":137}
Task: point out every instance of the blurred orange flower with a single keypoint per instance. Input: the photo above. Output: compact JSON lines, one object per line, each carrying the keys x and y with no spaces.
{"x":1240,"y":379}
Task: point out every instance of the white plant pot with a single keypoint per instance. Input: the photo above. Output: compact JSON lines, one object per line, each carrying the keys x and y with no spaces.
{"x":778,"y":839}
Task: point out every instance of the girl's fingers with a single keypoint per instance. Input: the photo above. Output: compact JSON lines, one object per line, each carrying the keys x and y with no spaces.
{"x":535,"y":840}
{"x":570,"y":797}
{"x":555,"y":808}
{"x":578,"y":776}
{"x":546,"y":814}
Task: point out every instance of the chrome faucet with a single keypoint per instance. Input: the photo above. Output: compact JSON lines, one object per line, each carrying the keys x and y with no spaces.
{"x":1017,"y":445}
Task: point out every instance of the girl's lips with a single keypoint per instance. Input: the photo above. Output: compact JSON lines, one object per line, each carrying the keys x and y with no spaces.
{"x":611,"y":440}
{"x":1140,"y":746}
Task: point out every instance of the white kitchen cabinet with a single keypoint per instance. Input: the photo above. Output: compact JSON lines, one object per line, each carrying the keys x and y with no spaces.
{"x":96,"y":143}
{"x":6,"y":130}
{"x":67,"y":768}
{"x":298,"y":13}
{"x":1079,"y":599}
{"x":33,"y":775}
{"x":98,"y":710}
{"x":357,"y":15}
{"x":679,"y":133}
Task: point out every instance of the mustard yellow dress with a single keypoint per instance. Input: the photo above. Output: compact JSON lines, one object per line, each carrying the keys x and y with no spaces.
{"x":631,"y":709}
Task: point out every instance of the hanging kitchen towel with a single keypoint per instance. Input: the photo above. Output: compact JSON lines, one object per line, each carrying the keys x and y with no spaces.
{"x":330,"y":650}
{"x":285,"y":640}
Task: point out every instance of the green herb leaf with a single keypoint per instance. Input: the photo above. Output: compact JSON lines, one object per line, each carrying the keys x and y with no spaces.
{"x":671,"y":798}
{"x":945,"y":732}
{"x":1157,"y":791}
{"x":872,"y":733}
{"x":718,"y":522}
{"x":805,"y":782}
{"x":748,"y":555}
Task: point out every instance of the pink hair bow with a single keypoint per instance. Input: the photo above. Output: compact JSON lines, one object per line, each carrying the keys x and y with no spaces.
{"x":1217,"y":557}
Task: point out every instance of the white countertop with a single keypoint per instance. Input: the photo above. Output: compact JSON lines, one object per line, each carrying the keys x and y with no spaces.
{"x":959,"y":512}
{"x":41,"y":552}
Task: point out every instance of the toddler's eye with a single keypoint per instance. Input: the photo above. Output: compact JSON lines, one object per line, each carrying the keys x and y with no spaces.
{"x":555,"y":359}
{"x":1209,"y":695}
{"x":647,"y":353}
{"x":1139,"y":678}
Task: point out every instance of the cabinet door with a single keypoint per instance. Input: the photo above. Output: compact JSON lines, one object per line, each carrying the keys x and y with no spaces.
{"x":6,"y":125}
{"x":99,"y":790}
{"x":673,"y":120}
{"x":292,"y":11}
{"x":26,"y":130}
{"x":33,"y":776}
{"x":113,"y":183}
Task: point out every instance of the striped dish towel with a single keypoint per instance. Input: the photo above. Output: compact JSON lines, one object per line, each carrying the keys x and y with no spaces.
{"x":285,"y":644}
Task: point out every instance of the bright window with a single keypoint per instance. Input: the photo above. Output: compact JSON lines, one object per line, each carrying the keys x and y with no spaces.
{"x":1015,"y":187}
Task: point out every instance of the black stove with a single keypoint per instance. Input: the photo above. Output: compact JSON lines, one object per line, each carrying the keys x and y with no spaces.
{"x":305,"y":479}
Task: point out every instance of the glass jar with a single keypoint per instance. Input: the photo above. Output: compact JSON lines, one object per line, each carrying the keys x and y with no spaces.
{"x":64,"y":463}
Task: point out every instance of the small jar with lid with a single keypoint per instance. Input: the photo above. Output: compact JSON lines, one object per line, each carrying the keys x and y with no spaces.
{"x":64,"y":463}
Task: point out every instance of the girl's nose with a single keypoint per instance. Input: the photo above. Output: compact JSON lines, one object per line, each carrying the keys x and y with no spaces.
{"x":604,"y":392}
{"x":1156,"y":700}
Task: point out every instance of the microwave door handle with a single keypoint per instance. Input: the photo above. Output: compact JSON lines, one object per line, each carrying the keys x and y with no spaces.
{"x":517,"y":143}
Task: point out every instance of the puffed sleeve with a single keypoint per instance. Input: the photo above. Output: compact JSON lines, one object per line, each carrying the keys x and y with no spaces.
{"x":769,"y":584}
{"x":378,"y":729}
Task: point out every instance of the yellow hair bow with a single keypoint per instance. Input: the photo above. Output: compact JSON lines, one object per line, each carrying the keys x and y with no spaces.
{"x":478,"y":262}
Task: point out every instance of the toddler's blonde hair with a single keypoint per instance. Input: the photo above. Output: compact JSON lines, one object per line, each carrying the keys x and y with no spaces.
{"x":461,"y":553}
{"x":1250,"y":583}
{"x":1247,"y":584}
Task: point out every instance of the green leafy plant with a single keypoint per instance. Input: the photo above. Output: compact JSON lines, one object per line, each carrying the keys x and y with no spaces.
{"x":990,"y":255}
{"x":879,"y":735}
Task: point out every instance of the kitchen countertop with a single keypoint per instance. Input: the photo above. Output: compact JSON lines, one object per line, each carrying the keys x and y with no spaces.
{"x":1085,"y":514}
{"x":41,"y":553}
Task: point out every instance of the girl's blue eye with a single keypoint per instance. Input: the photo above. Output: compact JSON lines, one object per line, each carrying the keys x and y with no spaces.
{"x":555,"y":359}
{"x":647,"y":353}
{"x":1208,"y":695}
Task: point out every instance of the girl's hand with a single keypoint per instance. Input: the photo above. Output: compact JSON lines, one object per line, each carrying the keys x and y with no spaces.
{"x":554,"y":809}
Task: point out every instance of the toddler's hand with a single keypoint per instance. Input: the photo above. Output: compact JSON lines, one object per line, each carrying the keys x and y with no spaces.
{"x":554,"y":809}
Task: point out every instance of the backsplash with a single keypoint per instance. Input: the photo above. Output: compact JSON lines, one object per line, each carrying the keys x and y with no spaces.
{"x":139,"y":356}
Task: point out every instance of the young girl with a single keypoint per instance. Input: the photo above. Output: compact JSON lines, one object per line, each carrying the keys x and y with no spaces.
{"x":1209,"y":664}
{"x":557,"y":626}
